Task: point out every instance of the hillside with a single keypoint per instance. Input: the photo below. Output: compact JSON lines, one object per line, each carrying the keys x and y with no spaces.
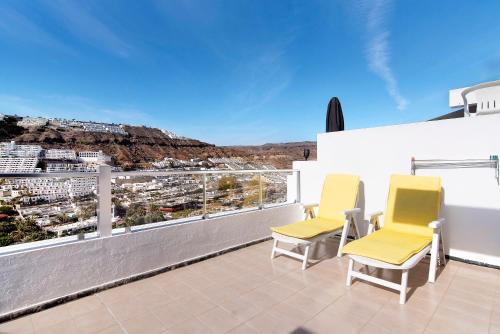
{"x":280,"y":154}
{"x":145,"y":145}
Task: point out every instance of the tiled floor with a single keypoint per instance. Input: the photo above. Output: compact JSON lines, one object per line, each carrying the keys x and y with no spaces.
{"x":245,"y":292}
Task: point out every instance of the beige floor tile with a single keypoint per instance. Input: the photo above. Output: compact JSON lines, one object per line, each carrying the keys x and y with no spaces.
{"x":193,"y":326}
{"x":144,"y":322}
{"x":50,"y":317}
{"x":22,"y":325}
{"x":259,"y":299}
{"x":371,"y":328}
{"x":151,"y":298}
{"x":94,"y":321}
{"x":446,"y":321}
{"x":83,"y":305}
{"x":326,"y":322}
{"x":306,"y":304}
{"x":494,"y":329}
{"x":114,"y":329}
{"x":197,"y":304}
{"x":266,"y":323}
{"x":219,"y":320}
{"x":467,"y":305}
{"x":243,"y":329}
{"x":395,"y":318}
{"x":495,"y":317}
{"x":324,"y":294}
{"x":64,"y":327}
{"x":172,"y":314}
{"x":276,"y":291}
{"x":123,"y":311}
{"x":289,"y":314}
{"x":120,"y":294}
{"x":240,"y":308}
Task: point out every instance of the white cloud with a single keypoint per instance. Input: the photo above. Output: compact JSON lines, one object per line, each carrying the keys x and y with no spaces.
{"x":80,"y":20}
{"x":18,"y":28}
{"x":378,"y":48}
{"x":70,"y":106}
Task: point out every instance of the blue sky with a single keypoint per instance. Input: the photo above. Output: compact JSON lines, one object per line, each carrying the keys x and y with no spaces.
{"x":243,"y":72}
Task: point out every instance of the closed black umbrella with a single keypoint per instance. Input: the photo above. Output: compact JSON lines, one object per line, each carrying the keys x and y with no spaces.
{"x":334,"y":116}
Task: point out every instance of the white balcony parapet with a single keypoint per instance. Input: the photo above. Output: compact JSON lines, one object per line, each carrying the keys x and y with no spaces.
{"x":486,"y":96}
{"x":104,"y":177}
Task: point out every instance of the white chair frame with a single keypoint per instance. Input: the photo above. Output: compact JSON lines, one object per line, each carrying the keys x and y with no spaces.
{"x":350,"y":218}
{"x":433,"y":247}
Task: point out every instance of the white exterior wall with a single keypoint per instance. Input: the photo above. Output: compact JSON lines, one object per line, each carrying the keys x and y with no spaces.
{"x":39,"y":275}
{"x":482,"y":95}
{"x":472,"y":196}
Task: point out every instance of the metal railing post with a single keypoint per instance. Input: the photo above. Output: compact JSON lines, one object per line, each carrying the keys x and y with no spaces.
{"x":104,"y":224}
{"x":297,"y":200}
{"x":204,"y":196}
{"x":261,"y":201}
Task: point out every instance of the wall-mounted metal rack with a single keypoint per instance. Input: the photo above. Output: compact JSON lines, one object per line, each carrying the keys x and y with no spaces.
{"x":452,"y":164}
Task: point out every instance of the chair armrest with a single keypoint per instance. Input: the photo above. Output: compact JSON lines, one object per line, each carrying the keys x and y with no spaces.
{"x":351,"y":212}
{"x":436,"y":224}
{"x":309,"y":210}
{"x":376,"y":214}
{"x":310,"y":205}
{"x":373,"y":222}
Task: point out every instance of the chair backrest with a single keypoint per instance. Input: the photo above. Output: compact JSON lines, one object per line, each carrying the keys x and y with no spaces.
{"x":413,"y":202}
{"x":340,"y":192}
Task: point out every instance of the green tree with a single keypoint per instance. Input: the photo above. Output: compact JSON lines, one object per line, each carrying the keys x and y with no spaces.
{"x":27,"y":230}
{"x":61,"y":219}
{"x":227,"y":183}
{"x":88,"y":211}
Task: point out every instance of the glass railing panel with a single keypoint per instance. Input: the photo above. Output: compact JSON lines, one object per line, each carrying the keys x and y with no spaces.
{"x":139,"y":200}
{"x":275,"y":188}
{"x":39,"y":208}
{"x":227,"y":192}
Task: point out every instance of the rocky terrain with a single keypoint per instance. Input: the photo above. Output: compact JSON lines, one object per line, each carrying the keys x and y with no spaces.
{"x":144,"y":145}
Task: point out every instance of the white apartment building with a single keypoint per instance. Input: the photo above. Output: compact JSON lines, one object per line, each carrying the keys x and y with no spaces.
{"x":60,"y":154}
{"x":81,"y":186}
{"x":11,"y":149}
{"x":103,"y":127}
{"x":53,"y":189}
{"x":18,"y":165}
{"x":48,"y":189}
{"x":28,"y":122}
{"x":93,"y":156}
{"x":2,"y":116}
{"x":62,"y":166}
{"x":170,"y":134}
{"x":65,"y":123}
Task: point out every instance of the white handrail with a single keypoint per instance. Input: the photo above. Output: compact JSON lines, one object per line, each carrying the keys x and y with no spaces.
{"x":474,"y":88}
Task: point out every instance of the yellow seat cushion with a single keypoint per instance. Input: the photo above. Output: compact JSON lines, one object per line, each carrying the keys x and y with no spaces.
{"x":388,"y":245}
{"x":307,"y":229}
{"x":413,"y":203}
{"x":340,"y":192}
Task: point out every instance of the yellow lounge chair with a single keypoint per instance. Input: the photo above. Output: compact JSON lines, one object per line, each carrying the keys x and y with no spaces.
{"x":411,"y":229}
{"x":336,"y":211}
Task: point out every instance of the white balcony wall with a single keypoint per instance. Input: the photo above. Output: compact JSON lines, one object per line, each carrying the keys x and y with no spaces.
{"x":31,"y":277}
{"x":472,"y":196}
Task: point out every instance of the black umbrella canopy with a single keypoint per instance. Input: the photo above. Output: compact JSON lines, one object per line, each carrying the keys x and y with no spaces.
{"x":334,"y":116}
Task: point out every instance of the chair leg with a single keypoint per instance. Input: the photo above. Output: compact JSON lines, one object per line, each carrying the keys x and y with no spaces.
{"x":404,"y":285}
{"x":343,"y":237}
{"x":273,"y":252}
{"x":434,"y":255}
{"x":441,"y":241}
{"x":306,"y":257}
{"x":349,"y":272}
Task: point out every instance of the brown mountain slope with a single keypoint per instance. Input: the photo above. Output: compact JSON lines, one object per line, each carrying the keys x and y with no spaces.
{"x":145,"y":145}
